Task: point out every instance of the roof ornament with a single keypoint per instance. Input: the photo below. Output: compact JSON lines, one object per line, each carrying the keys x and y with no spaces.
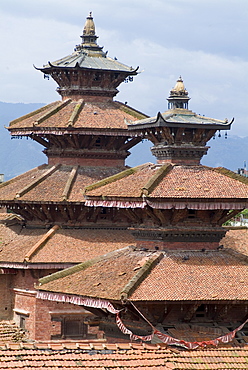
{"x":178,"y":96}
{"x":89,"y":27}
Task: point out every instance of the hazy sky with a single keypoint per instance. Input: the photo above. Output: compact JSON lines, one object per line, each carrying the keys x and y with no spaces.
{"x":205,"y":41}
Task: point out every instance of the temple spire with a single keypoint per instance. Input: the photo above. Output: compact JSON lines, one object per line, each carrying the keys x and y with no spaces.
{"x":178,"y":96}
{"x":89,"y":33}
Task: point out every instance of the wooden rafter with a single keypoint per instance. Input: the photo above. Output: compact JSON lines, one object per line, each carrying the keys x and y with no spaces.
{"x":178,"y":215}
{"x":228,"y":216}
{"x":150,"y":212}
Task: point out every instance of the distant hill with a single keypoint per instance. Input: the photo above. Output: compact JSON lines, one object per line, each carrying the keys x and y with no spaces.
{"x":17,"y":155}
{"x":20,"y":155}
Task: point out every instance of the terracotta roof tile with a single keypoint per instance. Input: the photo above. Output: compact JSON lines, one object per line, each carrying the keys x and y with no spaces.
{"x":200,"y":276}
{"x":79,"y":245}
{"x":66,"y":245}
{"x":105,"y":279}
{"x":211,"y":276}
{"x":177,"y":182}
{"x":96,"y":115}
{"x":199,"y":182}
{"x":129,"y":186}
{"x":105,"y":356}
{"x":43,"y":191}
{"x":237,"y":240}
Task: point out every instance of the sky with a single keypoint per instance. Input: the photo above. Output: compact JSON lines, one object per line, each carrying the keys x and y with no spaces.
{"x":204,"y":41}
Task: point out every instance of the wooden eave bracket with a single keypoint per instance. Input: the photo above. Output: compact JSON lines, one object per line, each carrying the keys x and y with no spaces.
{"x":156,"y":178}
{"x":36,"y":182}
{"x":41,"y":243}
{"x":140,"y":276}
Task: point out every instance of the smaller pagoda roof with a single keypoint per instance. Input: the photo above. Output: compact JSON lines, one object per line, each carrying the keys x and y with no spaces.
{"x":169,"y":186}
{"x":69,"y":115}
{"x":179,"y":116}
{"x":80,"y":59}
{"x":89,"y":55}
{"x":155,"y":276}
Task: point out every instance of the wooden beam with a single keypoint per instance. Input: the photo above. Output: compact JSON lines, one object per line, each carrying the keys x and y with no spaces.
{"x":179,"y":134}
{"x":190,"y":312}
{"x":132,"y":215}
{"x":150,"y":213}
{"x":178,"y":215}
{"x":229,"y":215}
{"x":163,"y":215}
{"x":34,"y":209}
{"x":63,"y":212}
{"x":41,"y":141}
{"x":197,"y":138}
{"x":129,"y":144}
{"x":167,"y":135}
{"x":209,"y":134}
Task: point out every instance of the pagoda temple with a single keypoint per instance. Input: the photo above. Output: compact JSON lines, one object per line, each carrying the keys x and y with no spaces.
{"x":92,"y":249}
{"x":48,"y":227}
{"x":177,"y":277}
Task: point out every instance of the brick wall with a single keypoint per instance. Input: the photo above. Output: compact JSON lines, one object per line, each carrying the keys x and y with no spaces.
{"x":94,"y":162}
{"x":6,"y":297}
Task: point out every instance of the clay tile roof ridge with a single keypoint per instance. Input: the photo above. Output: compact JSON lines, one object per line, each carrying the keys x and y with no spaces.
{"x":114,"y":178}
{"x":80,"y":267}
{"x":235,"y":176}
{"x":128,"y":109}
{"x":23,"y":175}
{"x":37,"y":181}
{"x":52,"y":111}
{"x":76,"y":111}
{"x":137,"y":279}
{"x":22,"y":118}
{"x":156,"y":178}
{"x":41,"y":243}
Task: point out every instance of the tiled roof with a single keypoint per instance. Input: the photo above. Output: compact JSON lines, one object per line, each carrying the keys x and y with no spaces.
{"x":176,"y":183}
{"x":211,"y":275}
{"x":88,"y":355}
{"x":35,"y":185}
{"x":105,"y":279}
{"x":10,"y":332}
{"x":180,"y":116}
{"x":236,"y":240}
{"x":80,"y":58}
{"x":179,"y":276}
{"x":79,"y":115}
{"x":65,"y":245}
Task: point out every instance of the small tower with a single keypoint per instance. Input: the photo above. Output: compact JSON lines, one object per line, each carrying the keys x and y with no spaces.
{"x":88,"y":72}
{"x":87,"y":127}
{"x":178,"y":96}
{"x":179,"y":135}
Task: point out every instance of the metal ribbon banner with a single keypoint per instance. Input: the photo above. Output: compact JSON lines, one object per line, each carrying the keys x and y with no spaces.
{"x":167,"y":339}
{"x":80,"y":301}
